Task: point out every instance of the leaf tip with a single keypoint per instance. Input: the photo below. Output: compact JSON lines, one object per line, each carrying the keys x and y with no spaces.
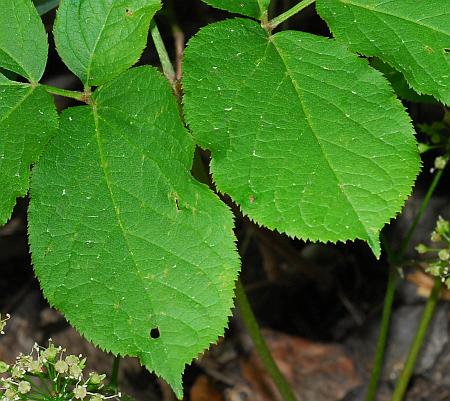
{"x":374,"y":243}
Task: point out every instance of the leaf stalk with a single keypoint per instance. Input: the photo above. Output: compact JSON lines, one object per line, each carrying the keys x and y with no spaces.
{"x":164,"y":58}
{"x":81,"y":96}
{"x":405,"y":376}
{"x":274,"y":22}
{"x":260,"y":344}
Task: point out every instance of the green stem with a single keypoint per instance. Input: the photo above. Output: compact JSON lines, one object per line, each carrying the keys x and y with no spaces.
{"x":164,"y":58}
{"x":114,"y":383}
{"x":274,"y":22}
{"x":383,"y":335}
{"x":260,"y":344}
{"x":405,"y":376}
{"x":423,"y":206}
{"x":394,"y":258}
{"x":66,"y":93}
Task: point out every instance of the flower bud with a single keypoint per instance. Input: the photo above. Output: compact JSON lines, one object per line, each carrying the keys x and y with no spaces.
{"x":444,"y":255}
{"x":421,"y":248}
{"x":3,"y":367}
{"x":440,"y":163}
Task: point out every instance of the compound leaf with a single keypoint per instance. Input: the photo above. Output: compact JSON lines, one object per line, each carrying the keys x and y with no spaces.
{"x":27,"y":121}
{"x":251,"y":8}
{"x":304,"y":135}
{"x":124,"y":241}
{"x":23,"y":41}
{"x":412,"y":36}
{"x":99,"y":39}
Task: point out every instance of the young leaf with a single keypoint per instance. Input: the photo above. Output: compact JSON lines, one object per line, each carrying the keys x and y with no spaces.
{"x":412,"y":36}
{"x":99,"y":39}
{"x":44,"y":6}
{"x":124,"y":241}
{"x":23,"y":41}
{"x":304,"y":135}
{"x":251,"y":8}
{"x":27,"y":121}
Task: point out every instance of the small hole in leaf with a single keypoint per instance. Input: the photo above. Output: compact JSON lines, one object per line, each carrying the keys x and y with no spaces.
{"x":154,"y":333}
{"x":128,"y":12}
{"x":177,"y":204}
{"x":447,"y":50}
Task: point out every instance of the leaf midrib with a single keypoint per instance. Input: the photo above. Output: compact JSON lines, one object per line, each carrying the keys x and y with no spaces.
{"x":271,"y":42}
{"x":91,"y":58}
{"x":115,"y":206}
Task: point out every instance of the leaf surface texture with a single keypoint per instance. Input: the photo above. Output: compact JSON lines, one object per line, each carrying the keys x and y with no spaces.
{"x":412,"y":36}
{"x":124,"y":241}
{"x":28,"y":119}
{"x":250,"y":8}
{"x":305,"y":137}
{"x":23,"y":41}
{"x":99,"y":39}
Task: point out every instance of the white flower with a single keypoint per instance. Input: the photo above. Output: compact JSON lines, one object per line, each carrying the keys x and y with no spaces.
{"x":80,"y":392}
{"x":24,"y":387}
{"x":61,"y":366}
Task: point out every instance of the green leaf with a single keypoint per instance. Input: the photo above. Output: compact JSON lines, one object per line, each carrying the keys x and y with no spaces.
{"x":99,"y":39}
{"x":23,"y":41}
{"x":251,"y":8}
{"x":412,"y":36}
{"x":27,"y":121}
{"x":44,"y":6}
{"x":398,"y":82}
{"x":123,"y":239}
{"x":304,"y":135}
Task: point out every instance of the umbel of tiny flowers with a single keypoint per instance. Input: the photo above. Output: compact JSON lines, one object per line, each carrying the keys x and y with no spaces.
{"x":48,"y":374}
{"x":439,"y":265}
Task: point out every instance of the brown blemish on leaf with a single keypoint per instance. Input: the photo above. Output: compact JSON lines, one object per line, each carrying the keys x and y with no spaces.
{"x":252,"y":199}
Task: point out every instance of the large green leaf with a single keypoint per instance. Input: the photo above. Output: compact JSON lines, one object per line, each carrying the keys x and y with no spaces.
{"x":412,"y":36}
{"x":123,"y":239}
{"x":27,"y":121}
{"x":251,"y":8}
{"x":23,"y":41}
{"x":99,"y":39}
{"x":304,"y":135}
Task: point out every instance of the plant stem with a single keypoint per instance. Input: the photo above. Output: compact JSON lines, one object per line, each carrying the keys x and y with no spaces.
{"x":164,"y":58}
{"x":114,"y":383}
{"x":274,"y":22}
{"x":405,"y":376}
{"x":419,"y":214}
{"x":260,"y":344}
{"x":66,"y":93}
{"x":383,"y":335}
{"x":394,"y":258}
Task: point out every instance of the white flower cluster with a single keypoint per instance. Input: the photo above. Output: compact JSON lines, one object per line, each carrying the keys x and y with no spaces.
{"x":440,"y":237}
{"x":48,"y":374}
